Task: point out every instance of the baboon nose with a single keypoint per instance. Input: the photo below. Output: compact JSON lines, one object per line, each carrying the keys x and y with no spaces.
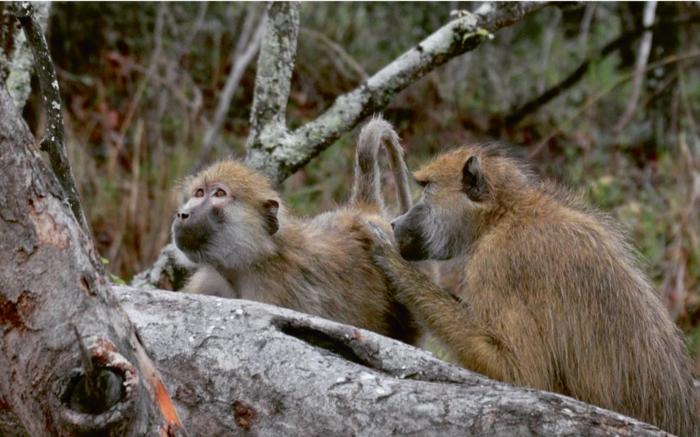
{"x":182,"y":215}
{"x":393,"y":225}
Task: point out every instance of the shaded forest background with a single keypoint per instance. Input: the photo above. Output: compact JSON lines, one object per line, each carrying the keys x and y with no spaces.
{"x":141,"y":83}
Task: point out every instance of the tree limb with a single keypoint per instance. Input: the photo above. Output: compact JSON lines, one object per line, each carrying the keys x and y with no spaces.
{"x":238,"y":366}
{"x":53,"y":143}
{"x":278,"y":152}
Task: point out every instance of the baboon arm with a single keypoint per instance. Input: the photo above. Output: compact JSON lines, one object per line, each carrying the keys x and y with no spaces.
{"x":206,"y":280}
{"x":451,"y":320}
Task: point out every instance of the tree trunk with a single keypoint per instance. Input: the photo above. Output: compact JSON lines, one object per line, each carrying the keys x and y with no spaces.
{"x":52,"y":290}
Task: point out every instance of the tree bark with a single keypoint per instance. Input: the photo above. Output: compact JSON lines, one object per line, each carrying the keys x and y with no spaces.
{"x":52,"y":286}
{"x":236,"y":366}
{"x":15,"y":55}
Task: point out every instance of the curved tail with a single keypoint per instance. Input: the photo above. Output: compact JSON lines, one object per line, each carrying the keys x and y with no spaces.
{"x":367,"y":185}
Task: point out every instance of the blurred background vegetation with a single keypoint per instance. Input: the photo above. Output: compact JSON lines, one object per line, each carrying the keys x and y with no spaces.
{"x":141,"y":82}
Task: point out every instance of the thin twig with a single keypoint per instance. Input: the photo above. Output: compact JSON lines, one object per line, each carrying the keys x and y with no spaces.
{"x":150,"y":72}
{"x":588,"y":15}
{"x":549,"y":34}
{"x":246,"y":47}
{"x":639,"y":67}
{"x":595,"y":98}
{"x":337,"y":50}
{"x":532,"y":105}
{"x":53,"y":143}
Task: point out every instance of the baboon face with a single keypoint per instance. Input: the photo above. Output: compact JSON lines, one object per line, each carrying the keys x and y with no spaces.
{"x":443,"y":223}
{"x":225,"y":224}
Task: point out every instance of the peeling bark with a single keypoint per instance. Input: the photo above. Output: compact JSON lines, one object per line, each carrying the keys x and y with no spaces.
{"x":236,"y":366}
{"x":51,"y":285}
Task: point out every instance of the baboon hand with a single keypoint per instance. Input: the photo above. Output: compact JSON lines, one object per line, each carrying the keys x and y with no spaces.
{"x":384,"y":253}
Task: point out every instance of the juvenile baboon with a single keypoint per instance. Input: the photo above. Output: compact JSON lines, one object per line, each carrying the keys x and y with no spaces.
{"x":237,"y":228}
{"x":551,"y":296}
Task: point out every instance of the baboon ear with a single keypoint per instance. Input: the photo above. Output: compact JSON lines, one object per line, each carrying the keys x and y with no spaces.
{"x":270,"y":208}
{"x":473,"y":182}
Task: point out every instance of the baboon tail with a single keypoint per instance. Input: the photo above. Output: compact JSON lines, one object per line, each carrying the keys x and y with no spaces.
{"x":367,"y":182}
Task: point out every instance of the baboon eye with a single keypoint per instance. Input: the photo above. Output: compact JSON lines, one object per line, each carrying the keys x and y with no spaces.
{"x":199,"y":192}
{"x":220,"y":193}
{"x":422,"y":183}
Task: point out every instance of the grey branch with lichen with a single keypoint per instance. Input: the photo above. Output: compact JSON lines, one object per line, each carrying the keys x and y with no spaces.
{"x":278,"y":152}
{"x":18,"y":64}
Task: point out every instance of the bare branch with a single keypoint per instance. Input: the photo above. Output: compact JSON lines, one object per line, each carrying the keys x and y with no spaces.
{"x":639,"y":67}
{"x":53,"y":143}
{"x":626,"y":38}
{"x":279,"y":153}
{"x":246,"y":47}
{"x":338,"y":51}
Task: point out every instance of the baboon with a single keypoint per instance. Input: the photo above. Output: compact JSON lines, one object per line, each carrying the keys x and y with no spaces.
{"x":236,"y":227}
{"x":551,"y":295}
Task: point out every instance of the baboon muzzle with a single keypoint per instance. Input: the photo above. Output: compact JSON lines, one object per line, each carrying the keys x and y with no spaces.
{"x":191,"y":230}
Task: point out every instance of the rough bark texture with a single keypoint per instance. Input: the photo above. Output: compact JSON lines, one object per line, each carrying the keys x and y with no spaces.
{"x":236,"y":366}
{"x":280,"y":153}
{"x":50,"y":282}
{"x":273,"y":79}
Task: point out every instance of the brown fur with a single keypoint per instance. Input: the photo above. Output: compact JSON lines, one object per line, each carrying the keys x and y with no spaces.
{"x":550,"y":295}
{"x":320,"y":266}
